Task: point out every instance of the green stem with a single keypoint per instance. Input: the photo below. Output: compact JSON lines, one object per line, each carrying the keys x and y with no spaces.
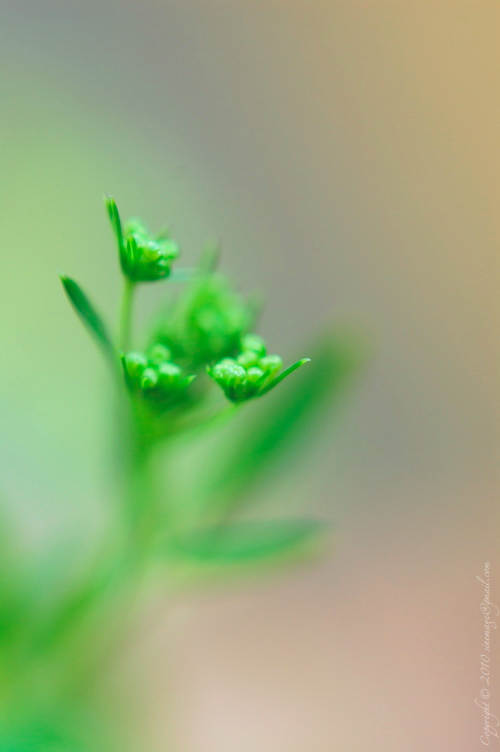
{"x":142,"y":497}
{"x":126,"y":314}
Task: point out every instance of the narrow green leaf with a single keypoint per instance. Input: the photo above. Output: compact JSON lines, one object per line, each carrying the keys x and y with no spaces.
{"x":114,"y":218}
{"x":87,"y":313}
{"x":249,"y":542}
{"x":288,"y":420}
{"x":283,"y":375}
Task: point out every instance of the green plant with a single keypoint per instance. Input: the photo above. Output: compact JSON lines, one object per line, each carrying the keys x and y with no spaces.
{"x":192,"y":377}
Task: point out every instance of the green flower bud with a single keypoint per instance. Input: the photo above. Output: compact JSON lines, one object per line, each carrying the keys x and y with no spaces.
{"x":206,"y":323}
{"x":169,"y":374}
{"x":241,"y":382}
{"x":218,"y":374}
{"x":231,"y":377}
{"x":135,"y":364}
{"x":254,"y":374}
{"x":235,"y":379}
{"x":149,"y":260}
{"x":149,"y":379}
{"x":247,"y":359}
{"x":234,"y":375}
{"x":254,"y":343}
{"x":271,"y":363}
{"x":159,"y":354}
{"x":156,"y":379}
{"x":142,"y":257}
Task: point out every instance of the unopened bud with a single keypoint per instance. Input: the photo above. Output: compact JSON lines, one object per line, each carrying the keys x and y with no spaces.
{"x":271,"y":363}
{"x":247,"y":359}
{"x":159,"y":354}
{"x":150,"y":378}
{"x":143,"y":258}
{"x":135,"y":363}
{"x":254,"y":374}
{"x":254,"y":343}
{"x":169,"y":374}
{"x":235,"y":375}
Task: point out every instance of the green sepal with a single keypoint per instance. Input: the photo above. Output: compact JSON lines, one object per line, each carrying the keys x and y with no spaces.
{"x":126,"y":376}
{"x":131,"y":254}
{"x":87,"y":313}
{"x":114,"y":218}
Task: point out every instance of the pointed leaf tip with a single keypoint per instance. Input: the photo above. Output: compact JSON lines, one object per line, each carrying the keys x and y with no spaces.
{"x":284,"y":374}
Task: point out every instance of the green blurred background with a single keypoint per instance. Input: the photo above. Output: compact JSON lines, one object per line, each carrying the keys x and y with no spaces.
{"x":346,"y":154}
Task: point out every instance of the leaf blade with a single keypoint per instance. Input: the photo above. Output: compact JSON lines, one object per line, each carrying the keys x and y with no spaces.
{"x":87,"y":313}
{"x":283,"y":375}
{"x":116,"y":224}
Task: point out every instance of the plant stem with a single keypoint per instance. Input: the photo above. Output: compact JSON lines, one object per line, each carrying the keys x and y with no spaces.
{"x":126,"y":314}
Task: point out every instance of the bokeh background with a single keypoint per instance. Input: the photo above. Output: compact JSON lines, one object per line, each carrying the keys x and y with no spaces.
{"x":346,"y":153}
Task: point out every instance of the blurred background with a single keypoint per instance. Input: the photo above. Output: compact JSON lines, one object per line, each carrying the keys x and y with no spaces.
{"x":346,"y":154}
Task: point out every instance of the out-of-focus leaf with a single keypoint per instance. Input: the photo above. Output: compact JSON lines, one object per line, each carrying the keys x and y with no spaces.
{"x":87,"y":313}
{"x":249,"y":542}
{"x":290,"y":422}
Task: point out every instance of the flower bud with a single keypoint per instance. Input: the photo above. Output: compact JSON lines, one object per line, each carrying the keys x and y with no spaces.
{"x":247,"y":359}
{"x":272,"y":364}
{"x":234,"y":375}
{"x":169,"y":374}
{"x":254,"y":343}
{"x":242,"y":380}
{"x":206,"y":323}
{"x":149,"y":379}
{"x":142,"y":257}
{"x":149,"y":260}
{"x":235,"y":381}
{"x":135,"y":364}
{"x":254,"y":374}
{"x":159,"y":354}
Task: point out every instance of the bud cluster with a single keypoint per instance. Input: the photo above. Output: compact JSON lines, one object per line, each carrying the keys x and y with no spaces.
{"x":207,"y":323}
{"x":204,"y":329}
{"x":143,"y":258}
{"x":251,"y":374}
{"x":155,"y":376}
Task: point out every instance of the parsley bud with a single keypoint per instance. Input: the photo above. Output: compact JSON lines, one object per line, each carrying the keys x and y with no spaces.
{"x":143,"y":258}
{"x":253,"y":343}
{"x":135,"y":363}
{"x":149,"y":378}
{"x":206,"y":323}
{"x":254,"y":374}
{"x":272,"y":364}
{"x":247,"y":359}
{"x":169,"y":373}
{"x":250,"y":375}
{"x":158,"y":354}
